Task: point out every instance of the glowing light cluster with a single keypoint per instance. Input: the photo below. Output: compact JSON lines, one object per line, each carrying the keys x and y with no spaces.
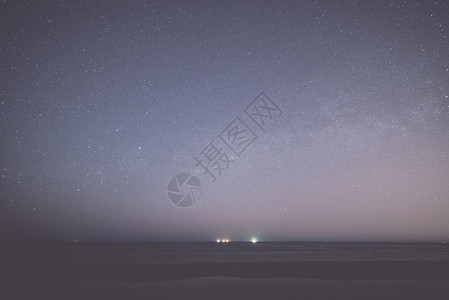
{"x":223,"y":241}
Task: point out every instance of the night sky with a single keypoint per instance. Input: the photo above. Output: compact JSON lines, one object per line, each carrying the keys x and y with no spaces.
{"x":103,"y":103}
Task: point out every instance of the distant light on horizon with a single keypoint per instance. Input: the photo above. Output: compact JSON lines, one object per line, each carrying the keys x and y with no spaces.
{"x":254,"y":240}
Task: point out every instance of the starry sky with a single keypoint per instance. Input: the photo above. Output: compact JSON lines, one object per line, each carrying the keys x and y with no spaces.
{"x":103,"y":102}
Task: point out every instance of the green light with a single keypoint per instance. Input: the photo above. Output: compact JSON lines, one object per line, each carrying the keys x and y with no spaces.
{"x":254,"y":240}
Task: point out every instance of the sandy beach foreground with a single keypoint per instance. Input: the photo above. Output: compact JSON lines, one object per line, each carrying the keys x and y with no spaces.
{"x":238,"y":288}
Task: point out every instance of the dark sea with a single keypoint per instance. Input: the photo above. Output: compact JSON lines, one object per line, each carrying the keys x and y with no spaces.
{"x":197,"y":252}
{"x":234,"y":270}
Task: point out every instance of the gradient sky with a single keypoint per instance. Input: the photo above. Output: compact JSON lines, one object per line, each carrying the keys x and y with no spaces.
{"x":102,"y":103}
